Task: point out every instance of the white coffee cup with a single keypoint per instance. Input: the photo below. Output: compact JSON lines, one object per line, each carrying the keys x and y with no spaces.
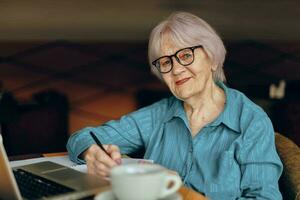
{"x":143,"y":182}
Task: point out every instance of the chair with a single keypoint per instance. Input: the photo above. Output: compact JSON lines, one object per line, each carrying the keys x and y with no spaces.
{"x":289,"y":153}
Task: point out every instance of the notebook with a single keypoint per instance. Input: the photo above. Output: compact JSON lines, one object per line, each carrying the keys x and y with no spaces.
{"x":58,"y":181}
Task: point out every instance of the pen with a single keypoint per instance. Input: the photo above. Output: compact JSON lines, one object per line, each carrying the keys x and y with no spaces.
{"x":98,"y":142}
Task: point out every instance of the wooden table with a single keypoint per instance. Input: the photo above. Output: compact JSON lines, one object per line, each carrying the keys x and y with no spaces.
{"x":189,"y":194}
{"x":186,"y":193}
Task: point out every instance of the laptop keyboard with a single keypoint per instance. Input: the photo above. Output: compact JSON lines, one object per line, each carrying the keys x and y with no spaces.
{"x":35,"y":187}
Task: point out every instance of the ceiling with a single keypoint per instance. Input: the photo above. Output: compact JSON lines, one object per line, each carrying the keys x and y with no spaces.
{"x":96,"y":20}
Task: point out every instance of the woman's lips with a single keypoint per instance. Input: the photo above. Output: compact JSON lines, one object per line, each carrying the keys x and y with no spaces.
{"x":181,"y":81}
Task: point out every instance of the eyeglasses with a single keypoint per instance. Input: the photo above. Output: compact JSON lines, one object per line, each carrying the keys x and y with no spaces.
{"x":184,"y":57}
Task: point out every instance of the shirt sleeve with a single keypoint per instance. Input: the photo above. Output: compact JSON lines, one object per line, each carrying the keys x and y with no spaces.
{"x":131,"y":132}
{"x":259,"y":162}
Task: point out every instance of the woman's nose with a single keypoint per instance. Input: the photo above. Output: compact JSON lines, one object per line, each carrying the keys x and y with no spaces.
{"x":177,"y":67}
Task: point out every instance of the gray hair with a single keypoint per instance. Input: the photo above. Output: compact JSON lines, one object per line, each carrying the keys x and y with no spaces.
{"x":186,"y":29}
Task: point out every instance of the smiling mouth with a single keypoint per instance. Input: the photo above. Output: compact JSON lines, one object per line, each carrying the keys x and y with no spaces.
{"x":182,"y":81}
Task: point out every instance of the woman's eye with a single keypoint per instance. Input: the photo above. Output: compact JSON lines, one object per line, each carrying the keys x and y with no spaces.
{"x":186,"y":56}
{"x":165,"y":63}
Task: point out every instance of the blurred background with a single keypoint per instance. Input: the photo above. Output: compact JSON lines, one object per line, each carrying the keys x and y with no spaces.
{"x":65,"y":65}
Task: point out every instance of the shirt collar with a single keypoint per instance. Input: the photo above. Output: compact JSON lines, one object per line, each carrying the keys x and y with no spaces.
{"x":229,"y":116}
{"x":176,"y":110}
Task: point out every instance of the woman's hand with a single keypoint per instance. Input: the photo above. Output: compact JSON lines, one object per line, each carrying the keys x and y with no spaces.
{"x":98,"y":162}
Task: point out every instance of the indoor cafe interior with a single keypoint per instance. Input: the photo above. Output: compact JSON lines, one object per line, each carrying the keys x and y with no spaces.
{"x":66,"y":65}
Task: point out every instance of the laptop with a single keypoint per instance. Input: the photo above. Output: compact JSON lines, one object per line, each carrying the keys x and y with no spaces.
{"x":45,"y":180}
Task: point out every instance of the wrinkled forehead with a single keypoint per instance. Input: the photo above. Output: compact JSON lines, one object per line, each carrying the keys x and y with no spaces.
{"x":171,"y":43}
{"x":168,"y":48}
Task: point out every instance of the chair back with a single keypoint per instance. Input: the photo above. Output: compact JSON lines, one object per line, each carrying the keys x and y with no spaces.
{"x":289,"y":153}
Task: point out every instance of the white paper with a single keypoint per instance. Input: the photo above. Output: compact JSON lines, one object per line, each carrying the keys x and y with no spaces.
{"x":133,"y":160}
{"x":64,"y":160}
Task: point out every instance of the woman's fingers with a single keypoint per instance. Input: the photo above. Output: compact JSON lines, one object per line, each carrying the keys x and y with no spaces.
{"x":105,"y":159}
{"x":98,"y":162}
{"x":114,"y":153}
{"x":96,"y":171}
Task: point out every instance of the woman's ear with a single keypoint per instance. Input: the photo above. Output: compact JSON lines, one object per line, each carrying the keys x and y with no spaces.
{"x":209,"y":55}
{"x":214,"y":67}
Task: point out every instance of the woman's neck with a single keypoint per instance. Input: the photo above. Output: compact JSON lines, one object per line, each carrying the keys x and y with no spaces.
{"x":206,"y":105}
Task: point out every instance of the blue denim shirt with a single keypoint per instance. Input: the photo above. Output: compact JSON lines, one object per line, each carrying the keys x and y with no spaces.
{"x":233,"y":157}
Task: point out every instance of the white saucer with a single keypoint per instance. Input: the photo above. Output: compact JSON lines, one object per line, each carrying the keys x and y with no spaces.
{"x":108,"y":195}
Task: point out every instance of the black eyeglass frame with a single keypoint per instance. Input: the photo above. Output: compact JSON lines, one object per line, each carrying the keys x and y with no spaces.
{"x":157,"y":66}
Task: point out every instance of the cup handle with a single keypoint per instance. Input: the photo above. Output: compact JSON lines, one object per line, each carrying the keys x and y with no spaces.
{"x":170,"y":178}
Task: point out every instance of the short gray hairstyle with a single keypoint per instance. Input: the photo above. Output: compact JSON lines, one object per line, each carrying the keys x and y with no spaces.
{"x":186,"y":29}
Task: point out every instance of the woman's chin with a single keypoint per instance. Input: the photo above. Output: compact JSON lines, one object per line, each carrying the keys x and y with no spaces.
{"x":183,"y":95}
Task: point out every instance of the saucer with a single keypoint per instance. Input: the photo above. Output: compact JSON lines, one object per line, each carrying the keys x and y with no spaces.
{"x":108,"y":195}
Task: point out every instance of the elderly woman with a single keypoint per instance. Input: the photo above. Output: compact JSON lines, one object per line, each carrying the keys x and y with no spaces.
{"x":219,"y":142}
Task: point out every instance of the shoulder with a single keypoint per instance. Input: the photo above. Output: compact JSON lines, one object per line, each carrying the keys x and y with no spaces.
{"x":157,"y":110}
{"x":251,"y":115}
{"x":245,"y":104}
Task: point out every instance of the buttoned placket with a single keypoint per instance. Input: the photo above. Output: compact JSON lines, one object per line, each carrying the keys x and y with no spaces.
{"x":190,"y":155}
